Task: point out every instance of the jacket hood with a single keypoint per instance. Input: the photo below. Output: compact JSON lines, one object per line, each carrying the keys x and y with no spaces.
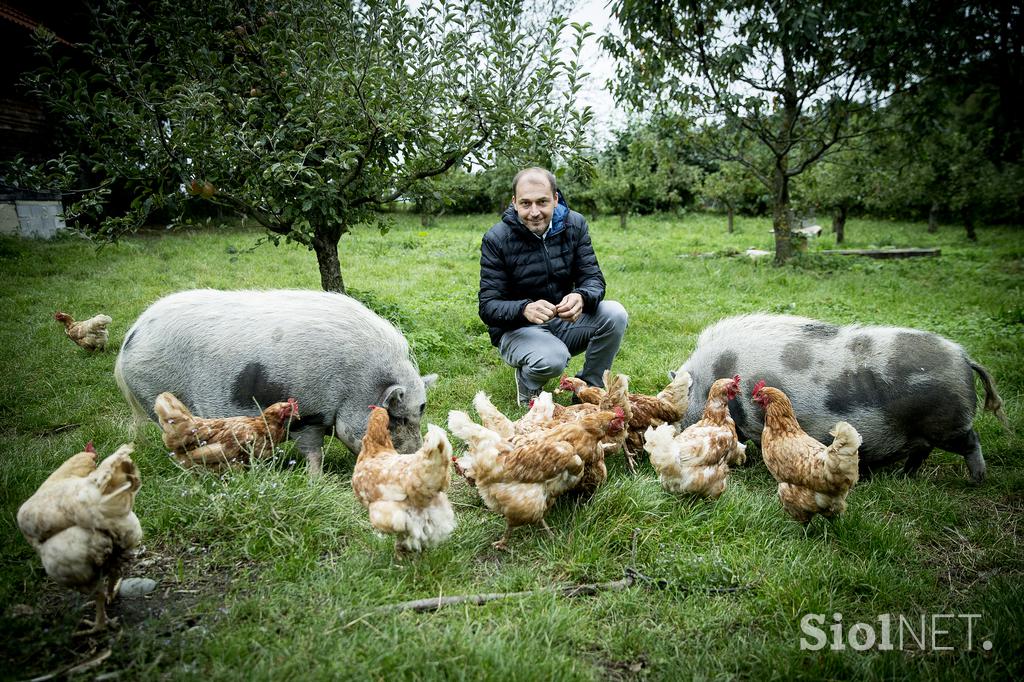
{"x":511,"y":216}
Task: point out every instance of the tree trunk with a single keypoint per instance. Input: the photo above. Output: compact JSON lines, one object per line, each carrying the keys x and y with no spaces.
{"x":731,"y":212}
{"x":622,"y":219}
{"x":839,"y":224}
{"x":968,"y":216}
{"x":325,"y":245}
{"x":780,"y":174}
{"x":780,"y":214}
{"x":933,"y":218}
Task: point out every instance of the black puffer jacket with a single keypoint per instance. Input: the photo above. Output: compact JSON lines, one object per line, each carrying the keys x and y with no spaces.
{"x":517,"y":267}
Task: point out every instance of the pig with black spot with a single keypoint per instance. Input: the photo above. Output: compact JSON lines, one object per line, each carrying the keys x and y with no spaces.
{"x":906,"y":391}
{"x":233,"y":353}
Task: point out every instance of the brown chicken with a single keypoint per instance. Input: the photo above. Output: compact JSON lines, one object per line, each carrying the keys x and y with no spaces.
{"x":90,"y":334}
{"x":562,"y":414}
{"x":405,"y":493}
{"x":543,"y":414}
{"x":521,"y":484}
{"x":81,"y":522}
{"x":697,"y":460}
{"x":667,"y":407}
{"x":813,"y":478}
{"x":225,"y":442}
{"x":581,"y":389}
{"x":588,"y":437}
{"x":717,"y":425}
{"x":538,"y":416}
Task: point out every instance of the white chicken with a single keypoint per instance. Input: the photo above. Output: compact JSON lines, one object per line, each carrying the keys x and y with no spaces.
{"x":542,"y":408}
{"x":81,"y":523}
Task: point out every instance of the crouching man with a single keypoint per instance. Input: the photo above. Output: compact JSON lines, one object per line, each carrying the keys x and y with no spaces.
{"x":542,"y":290}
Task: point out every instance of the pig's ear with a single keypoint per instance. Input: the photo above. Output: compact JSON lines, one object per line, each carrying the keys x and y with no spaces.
{"x":429,"y":381}
{"x":392,"y":397}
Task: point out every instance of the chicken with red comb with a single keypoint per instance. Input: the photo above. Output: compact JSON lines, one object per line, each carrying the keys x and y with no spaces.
{"x":226,"y":442}
{"x":813,"y":478}
{"x":697,"y":460}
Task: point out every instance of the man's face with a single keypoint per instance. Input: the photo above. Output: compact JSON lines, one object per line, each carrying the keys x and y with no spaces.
{"x":535,"y":202}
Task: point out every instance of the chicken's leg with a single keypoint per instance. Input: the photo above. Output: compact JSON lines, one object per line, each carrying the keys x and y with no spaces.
{"x":100,"y":624}
{"x":101,"y":612}
{"x":113,"y":584}
{"x":502,"y":542}
{"x":630,"y":461}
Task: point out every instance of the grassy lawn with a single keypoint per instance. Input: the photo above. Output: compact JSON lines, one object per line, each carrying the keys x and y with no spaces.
{"x":264,"y":575}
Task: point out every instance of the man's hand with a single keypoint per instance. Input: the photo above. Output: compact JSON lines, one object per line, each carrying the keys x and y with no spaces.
{"x":539,"y":312}
{"x":570,"y":308}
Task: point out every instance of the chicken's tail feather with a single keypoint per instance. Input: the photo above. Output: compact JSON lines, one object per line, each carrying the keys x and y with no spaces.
{"x":436,"y":447}
{"x":678,"y":390}
{"x":617,"y":394}
{"x":842,"y":456}
{"x":460,"y":424}
{"x":117,"y":478}
{"x":491,"y":416}
{"x":542,"y":408}
{"x":845,"y":439}
{"x":658,"y":443}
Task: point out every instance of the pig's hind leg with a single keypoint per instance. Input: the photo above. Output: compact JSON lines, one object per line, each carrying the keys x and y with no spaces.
{"x":968,"y":445}
{"x":310,"y":441}
{"x":915,"y":458}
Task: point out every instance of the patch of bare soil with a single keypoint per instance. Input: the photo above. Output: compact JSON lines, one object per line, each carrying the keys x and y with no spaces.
{"x":625,"y":669}
{"x":38,"y":640}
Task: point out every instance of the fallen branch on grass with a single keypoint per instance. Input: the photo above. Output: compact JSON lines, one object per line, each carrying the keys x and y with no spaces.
{"x":54,"y":430}
{"x":884,"y":253}
{"x":436,"y":603}
{"x":631,"y":578}
{"x":75,"y":668}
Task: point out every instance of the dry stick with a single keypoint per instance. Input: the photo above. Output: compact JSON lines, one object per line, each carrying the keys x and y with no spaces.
{"x":632,"y":577}
{"x":53,"y":431}
{"x":75,"y":667}
{"x":435,"y":603}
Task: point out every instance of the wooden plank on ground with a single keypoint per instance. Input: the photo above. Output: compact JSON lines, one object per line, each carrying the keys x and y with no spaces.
{"x":885,"y":253}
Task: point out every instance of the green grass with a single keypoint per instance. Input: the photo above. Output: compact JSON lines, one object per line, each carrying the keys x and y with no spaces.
{"x":264,"y":575}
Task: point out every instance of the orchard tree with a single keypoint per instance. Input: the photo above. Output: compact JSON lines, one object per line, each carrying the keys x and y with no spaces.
{"x":306,"y":115}
{"x":838,"y":184}
{"x":732,"y":186}
{"x":647,"y":167}
{"x":788,"y":74}
{"x":632,"y":173}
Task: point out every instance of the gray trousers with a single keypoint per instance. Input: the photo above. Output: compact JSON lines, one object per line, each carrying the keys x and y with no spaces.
{"x":542,"y":351}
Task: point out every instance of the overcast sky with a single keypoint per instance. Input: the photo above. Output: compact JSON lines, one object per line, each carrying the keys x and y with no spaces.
{"x":601,"y":68}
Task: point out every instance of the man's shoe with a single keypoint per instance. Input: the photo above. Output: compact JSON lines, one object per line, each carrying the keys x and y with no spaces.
{"x":524,"y":394}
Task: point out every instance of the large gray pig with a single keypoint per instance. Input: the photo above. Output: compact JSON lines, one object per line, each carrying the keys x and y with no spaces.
{"x":227,"y":353}
{"x":906,"y":391}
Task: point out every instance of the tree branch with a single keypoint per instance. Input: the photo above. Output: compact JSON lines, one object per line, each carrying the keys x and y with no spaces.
{"x":631,"y":578}
{"x":261,"y":216}
{"x":428,"y":173}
